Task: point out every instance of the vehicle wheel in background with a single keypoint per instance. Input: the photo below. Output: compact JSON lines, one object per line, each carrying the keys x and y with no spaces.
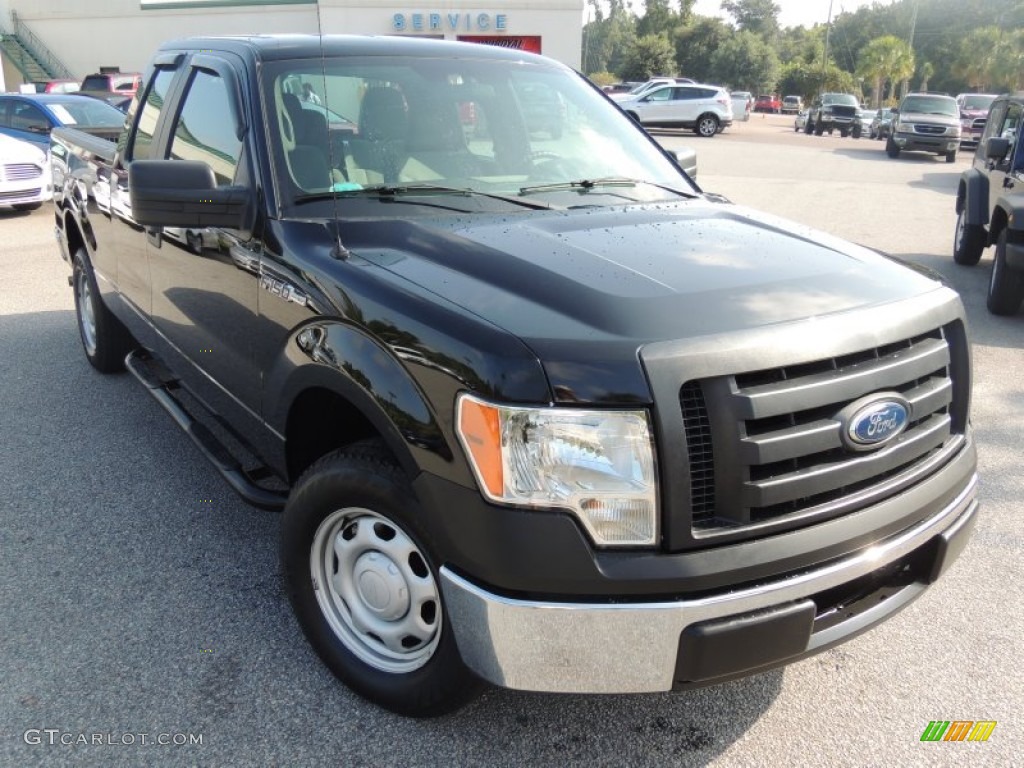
{"x":106,"y":342}
{"x":891,"y":149}
{"x":365,"y":587}
{"x":707,"y":125}
{"x":1006,"y":285}
{"x":968,"y":241}
{"x":951,"y":156}
{"x":856,"y":131}
{"x":818,"y":129}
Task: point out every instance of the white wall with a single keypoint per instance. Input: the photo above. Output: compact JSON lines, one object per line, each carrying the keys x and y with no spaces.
{"x":88,"y":34}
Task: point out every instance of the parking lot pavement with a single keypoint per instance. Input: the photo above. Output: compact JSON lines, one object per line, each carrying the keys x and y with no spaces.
{"x":141,"y":599}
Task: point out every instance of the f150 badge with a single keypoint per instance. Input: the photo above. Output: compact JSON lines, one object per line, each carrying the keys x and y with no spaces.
{"x":873,"y":421}
{"x":281,"y":288}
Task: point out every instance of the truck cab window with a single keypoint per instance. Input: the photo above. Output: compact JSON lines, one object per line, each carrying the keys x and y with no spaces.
{"x":149,"y":115}
{"x":205,"y":129}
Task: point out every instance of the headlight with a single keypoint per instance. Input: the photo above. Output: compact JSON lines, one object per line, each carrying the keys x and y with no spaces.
{"x":904,"y":128}
{"x":599,"y":465}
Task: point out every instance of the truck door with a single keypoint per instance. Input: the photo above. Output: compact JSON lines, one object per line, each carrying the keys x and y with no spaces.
{"x":205,"y":280}
{"x":127,"y":237}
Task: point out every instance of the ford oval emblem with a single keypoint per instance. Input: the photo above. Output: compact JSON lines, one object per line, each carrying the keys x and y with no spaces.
{"x":877,"y":421}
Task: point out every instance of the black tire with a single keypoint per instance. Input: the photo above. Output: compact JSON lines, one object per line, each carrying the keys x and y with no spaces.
{"x":26,"y":206}
{"x":856,"y":132}
{"x":808,"y":126}
{"x":951,"y":156}
{"x":1006,"y":285}
{"x":356,"y":503}
{"x":843,"y":132}
{"x":891,"y":149}
{"x":818,"y":129}
{"x":968,"y":240}
{"x":105,"y":340}
{"x":707,"y":125}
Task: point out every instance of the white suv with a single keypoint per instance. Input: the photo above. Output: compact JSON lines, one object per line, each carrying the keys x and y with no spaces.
{"x":706,"y":109}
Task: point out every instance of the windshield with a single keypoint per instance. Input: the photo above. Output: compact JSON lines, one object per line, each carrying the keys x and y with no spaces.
{"x":930,"y":105}
{"x":980,"y":101}
{"x":847,"y":99}
{"x":88,"y":112}
{"x":349,"y":127}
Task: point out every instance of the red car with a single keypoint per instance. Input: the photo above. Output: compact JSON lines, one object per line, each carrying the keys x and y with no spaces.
{"x":768,"y":104}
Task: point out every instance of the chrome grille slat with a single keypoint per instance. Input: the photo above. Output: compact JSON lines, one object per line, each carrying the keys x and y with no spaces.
{"x":808,"y":482}
{"x":22,"y":171}
{"x":821,"y":389}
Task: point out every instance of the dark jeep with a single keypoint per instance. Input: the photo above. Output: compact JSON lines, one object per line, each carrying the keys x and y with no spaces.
{"x":834,"y":111}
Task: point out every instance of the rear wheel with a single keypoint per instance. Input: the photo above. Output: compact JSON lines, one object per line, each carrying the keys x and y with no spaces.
{"x":968,"y":240}
{"x":106,"y":342}
{"x":707,"y":125}
{"x":365,"y":587}
{"x":808,"y":126}
{"x":1006,"y":285}
{"x":818,"y":129}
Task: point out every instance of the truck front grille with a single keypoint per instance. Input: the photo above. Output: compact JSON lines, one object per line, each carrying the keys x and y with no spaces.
{"x":766,"y":446}
{"x":930,"y":130}
{"x":20,"y":194}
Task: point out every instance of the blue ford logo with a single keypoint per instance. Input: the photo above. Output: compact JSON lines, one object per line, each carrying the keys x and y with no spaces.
{"x":875,"y":421}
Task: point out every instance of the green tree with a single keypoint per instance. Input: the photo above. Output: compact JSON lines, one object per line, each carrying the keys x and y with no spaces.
{"x":648,"y":56}
{"x":663,"y":16}
{"x":746,"y":62}
{"x":885,"y":59}
{"x":696,"y":42}
{"x":758,"y":16}
{"x":926,"y":71}
{"x":608,"y":37}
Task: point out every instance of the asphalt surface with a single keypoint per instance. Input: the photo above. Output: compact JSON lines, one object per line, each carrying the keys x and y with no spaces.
{"x":140,"y":598}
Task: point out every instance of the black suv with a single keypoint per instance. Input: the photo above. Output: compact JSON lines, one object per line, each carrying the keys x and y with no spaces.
{"x":990,"y":209}
{"x":832,"y":111}
{"x":925,"y":122}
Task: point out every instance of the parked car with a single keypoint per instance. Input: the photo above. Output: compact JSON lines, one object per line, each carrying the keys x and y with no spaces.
{"x":112,"y":82}
{"x":707,"y":109}
{"x":974,"y":109}
{"x":834,"y":111}
{"x":767,"y":104}
{"x":925,"y":122}
{"x":864,"y":118}
{"x":55,"y":86}
{"x":25,"y":180}
{"x":800,"y":121}
{"x":989,"y":202}
{"x":881,"y":123}
{"x":792,"y":105}
{"x":742,"y":103}
{"x":30,"y":117}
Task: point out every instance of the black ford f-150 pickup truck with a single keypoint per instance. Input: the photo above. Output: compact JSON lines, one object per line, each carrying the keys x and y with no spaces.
{"x":537,"y":411}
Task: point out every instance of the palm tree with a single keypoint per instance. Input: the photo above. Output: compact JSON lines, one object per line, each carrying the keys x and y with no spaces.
{"x":885,"y":59}
{"x":927,"y":70}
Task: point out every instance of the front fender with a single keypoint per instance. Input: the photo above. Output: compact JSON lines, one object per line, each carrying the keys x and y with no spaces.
{"x":343,"y":359}
{"x":1011,"y":217}
{"x":973,"y":197}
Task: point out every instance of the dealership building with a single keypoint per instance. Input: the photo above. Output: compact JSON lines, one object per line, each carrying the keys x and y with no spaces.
{"x":52,"y":39}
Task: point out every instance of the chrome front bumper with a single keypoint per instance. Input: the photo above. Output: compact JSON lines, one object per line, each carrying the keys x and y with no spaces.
{"x":641,"y":647}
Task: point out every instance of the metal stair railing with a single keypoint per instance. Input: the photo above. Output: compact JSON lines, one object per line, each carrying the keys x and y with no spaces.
{"x":53,"y":66}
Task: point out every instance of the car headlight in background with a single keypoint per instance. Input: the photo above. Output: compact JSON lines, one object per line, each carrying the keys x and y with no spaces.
{"x":599,"y":465}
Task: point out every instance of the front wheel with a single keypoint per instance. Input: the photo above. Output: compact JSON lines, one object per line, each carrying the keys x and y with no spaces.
{"x":857,"y":132}
{"x":707,"y":126}
{"x":1006,"y":285}
{"x":968,"y":240}
{"x":891,"y":149}
{"x":951,"y":156}
{"x":105,"y":340}
{"x":365,"y":587}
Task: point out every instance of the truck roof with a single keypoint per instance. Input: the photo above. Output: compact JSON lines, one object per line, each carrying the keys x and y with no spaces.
{"x":299,"y":46}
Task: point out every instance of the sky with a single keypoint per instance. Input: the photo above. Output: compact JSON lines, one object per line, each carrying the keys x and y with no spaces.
{"x":795,"y":12}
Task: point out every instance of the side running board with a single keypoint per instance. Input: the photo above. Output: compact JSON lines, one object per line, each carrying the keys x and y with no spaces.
{"x":161,"y":387}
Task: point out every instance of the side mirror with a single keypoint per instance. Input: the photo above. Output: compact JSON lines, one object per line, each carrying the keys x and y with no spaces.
{"x":41,"y":128}
{"x":686,"y":159}
{"x":996,"y":148}
{"x":183,"y":193}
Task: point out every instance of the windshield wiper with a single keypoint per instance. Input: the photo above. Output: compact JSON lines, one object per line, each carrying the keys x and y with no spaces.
{"x":585,"y":185}
{"x":401,"y":190}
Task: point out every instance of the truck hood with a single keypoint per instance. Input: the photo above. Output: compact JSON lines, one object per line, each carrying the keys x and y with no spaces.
{"x":601,"y":282}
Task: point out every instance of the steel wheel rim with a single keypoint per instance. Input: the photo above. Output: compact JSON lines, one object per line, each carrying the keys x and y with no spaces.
{"x":375,"y":590}
{"x":86,"y":314}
